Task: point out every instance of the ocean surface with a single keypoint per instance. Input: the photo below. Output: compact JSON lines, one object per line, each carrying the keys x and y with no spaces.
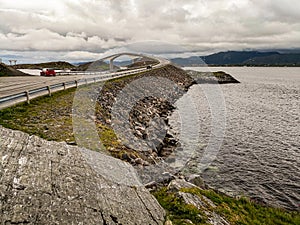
{"x":248,"y":134}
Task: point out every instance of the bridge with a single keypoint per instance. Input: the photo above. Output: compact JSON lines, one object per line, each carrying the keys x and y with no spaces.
{"x":111,"y":58}
{"x":21,"y":89}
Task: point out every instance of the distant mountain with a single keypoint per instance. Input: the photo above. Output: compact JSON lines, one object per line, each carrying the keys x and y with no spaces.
{"x":191,"y":61}
{"x":241,"y":58}
{"x":234,"y":57}
{"x":6,"y":71}
{"x":55,"y":65}
{"x":275,"y":60}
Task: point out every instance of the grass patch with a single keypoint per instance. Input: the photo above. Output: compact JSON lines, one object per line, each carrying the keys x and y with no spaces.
{"x":111,"y":142}
{"x":46,"y":117}
{"x":107,"y":136}
{"x":49,"y":117}
{"x":177,"y":211}
{"x":240,"y":211}
{"x":245,"y":211}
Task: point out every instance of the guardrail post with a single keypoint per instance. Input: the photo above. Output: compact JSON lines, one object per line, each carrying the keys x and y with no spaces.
{"x":94,"y":79}
{"x":64,"y":84}
{"x":86,"y":81}
{"x":49,"y":90}
{"x":76,"y":83}
{"x":27,"y":97}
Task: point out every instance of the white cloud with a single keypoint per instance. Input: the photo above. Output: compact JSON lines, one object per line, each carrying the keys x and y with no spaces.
{"x":98,"y":25}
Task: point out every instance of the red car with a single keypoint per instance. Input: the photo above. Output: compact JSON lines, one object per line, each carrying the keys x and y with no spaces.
{"x":48,"y":72}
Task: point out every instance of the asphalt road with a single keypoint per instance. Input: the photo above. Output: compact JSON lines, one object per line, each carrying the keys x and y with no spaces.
{"x":15,"y":85}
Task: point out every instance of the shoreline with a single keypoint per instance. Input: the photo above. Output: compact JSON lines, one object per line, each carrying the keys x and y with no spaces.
{"x":108,"y":137}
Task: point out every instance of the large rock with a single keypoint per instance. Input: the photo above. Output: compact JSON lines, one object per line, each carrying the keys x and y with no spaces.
{"x":44,"y":182}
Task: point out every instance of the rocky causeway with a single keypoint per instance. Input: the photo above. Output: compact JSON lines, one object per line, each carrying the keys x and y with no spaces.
{"x":47,"y":182}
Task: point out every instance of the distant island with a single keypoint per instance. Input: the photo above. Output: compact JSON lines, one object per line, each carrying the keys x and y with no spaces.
{"x":241,"y":58}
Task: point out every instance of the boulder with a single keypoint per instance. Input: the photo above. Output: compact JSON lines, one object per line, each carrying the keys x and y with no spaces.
{"x":43,"y":182}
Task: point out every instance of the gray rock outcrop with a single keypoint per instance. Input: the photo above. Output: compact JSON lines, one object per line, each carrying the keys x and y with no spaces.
{"x":44,"y":182}
{"x":200,"y":202}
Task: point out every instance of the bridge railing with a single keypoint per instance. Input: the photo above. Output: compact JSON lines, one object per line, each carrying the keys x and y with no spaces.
{"x":63,"y":73}
{"x":27,"y":95}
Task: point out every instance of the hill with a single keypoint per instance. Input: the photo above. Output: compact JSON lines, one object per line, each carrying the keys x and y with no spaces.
{"x":241,"y":58}
{"x":55,"y":65}
{"x":275,"y":60}
{"x":92,"y":66}
{"x":234,"y":57}
{"x":6,"y":71}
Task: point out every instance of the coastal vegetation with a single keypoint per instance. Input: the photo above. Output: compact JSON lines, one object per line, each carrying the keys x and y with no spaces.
{"x":234,"y":210}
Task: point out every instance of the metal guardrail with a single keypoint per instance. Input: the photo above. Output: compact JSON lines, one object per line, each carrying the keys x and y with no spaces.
{"x":63,"y":73}
{"x":26,"y":96}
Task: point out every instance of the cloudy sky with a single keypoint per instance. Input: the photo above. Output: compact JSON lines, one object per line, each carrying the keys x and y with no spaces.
{"x":81,"y":30}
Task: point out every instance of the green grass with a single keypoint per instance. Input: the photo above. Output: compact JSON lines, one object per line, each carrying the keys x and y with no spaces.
{"x":245,"y":211}
{"x":111,"y":142}
{"x":177,"y":211}
{"x":50,"y":117}
{"x":46,"y":117}
{"x":240,"y":211}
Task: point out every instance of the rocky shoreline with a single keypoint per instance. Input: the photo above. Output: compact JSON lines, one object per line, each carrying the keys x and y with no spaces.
{"x":44,"y":182}
{"x":142,"y":113}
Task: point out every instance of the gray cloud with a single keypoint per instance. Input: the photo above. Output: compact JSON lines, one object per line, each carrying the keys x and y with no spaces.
{"x":89,"y":27}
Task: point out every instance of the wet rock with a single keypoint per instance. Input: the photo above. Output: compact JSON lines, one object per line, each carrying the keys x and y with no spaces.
{"x":44,"y":182}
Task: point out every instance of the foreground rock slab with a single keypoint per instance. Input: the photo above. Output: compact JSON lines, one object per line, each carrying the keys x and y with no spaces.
{"x":44,"y":182}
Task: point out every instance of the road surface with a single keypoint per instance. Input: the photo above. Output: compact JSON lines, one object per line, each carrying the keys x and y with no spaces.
{"x":14,"y":85}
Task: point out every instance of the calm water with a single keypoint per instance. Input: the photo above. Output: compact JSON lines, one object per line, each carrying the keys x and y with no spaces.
{"x":260,"y":154}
